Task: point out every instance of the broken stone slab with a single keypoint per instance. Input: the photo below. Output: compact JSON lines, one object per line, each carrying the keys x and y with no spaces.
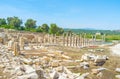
{"x":100,"y":50}
{"x":71,"y":67}
{"x":83,"y":76}
{"x":63,"y":76}
{"x":54,"y":75}
{"x":117,"y":70}
{"x":8,"y":70}
{"x":46,"y":58}
{"x":99,"y":63}
{"x":28,"y":76}
{"x":117,"y":76}
{"x":96,"y":71}
{"x":67,"y":71}
{"x":65,"y":57}
{"x":35,"y":61}
{"x":58,"y":52}
{"x":77,"y":60}
{"x":67,"y":76}
{"x":68,"y":61}
{"x":1,"y":77}
{"x":27,"y":61}
{"x":51,"y":55}
{"x":27,"y":48}
{"x":91,"y":50}
{"x":87,"y":57}
{"x":100,"y":60}
{"x":84,"y":65}
{"x":100,"y":74}
{"x":2,"y":66}
{"x":55,"y":63}
{"x":27,"y":69}
{"x":59,"y":68}
{"x":41,"y":73}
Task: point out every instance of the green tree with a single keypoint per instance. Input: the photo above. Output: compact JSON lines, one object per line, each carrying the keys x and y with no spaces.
{"x":53,"y":29}
{"x":38,"y":29}
{"x":30,"y":24}
{"x":14,"y":22}
{"x":60,"y":31}
{"x":2,"y":21}
{"x":45,"y":28}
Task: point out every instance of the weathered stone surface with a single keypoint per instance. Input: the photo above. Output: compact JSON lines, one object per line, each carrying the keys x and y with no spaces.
{"x":54,"y":75}
{"x":63,"y":76}
{"x":83,"y":76}
{"x":87,"y":57}
{"x":41,"y":74}
{"x":2,"y":66}
{"x":100,"y":60}
{"x":117,"y":70}
{"x":84,"y":65}
{"x":10,"y":44}
{"x":21,"y":43}
{"x":16,"y":49}
{"x":117,"y":76}
{"x":3,"y":38}
{"x":65,"y":57}
{"x":96,"y":71}
{"x":28,"y":76}
{"x":55,"y":63}
{"x":26,"y":61}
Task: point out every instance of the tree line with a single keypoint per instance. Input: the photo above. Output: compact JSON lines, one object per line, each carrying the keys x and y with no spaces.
{"x":29,"y":25}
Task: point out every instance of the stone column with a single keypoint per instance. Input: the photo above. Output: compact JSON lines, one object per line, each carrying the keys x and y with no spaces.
{"x":49,"y":38}
{"x":70,"y":38}
{"x":75,"y":41}
{"x":21,"y":43}
{"x":63,"y":39}
{"x":84,"y":40}
{"x":67,"y":39}
{"x":52,"y":39}
{"x":55,"y":38}
{"x":36,"y":41}
{"x":10,"y":44}
{"x":79,"y":40}
{"x":92,"y":40}
{"x":16,"y":49}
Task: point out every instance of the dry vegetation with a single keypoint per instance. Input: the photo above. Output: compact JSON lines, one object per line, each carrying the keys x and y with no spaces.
{"x":111,"y":64}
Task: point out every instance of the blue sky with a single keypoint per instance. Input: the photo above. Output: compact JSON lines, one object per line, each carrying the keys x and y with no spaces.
{"x":98,"y":14}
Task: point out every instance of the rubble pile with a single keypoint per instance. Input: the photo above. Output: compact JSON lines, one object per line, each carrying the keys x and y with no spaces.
{"x":15,"y":64}
{"x":19,"y":67}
